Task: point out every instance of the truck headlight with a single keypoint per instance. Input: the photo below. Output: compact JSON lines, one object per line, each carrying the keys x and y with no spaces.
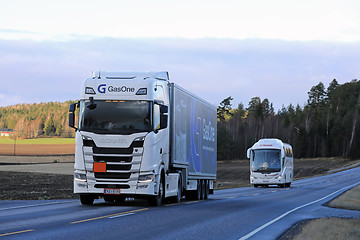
{"x":146,"y":178}
{"x":80,"y":177}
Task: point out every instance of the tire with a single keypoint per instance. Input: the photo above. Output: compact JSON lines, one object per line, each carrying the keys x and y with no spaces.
{"x":207,"y":190}
{"x":177,"y":198}
{"x":86,"y":199}
{"x":203,"y":189}
{"x":256,"y":185}
{"x":157,"y":200}
{"x":198,"y":190}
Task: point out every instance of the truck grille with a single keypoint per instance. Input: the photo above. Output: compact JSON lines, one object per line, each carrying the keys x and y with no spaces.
{"x":121,"y":186}
{"x":112,"y":159}
{"x":120,"y":162}
{"x":112,"y":150}
{"x":111,"y":175}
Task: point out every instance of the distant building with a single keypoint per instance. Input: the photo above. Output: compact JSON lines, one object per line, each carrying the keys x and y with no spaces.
{"x":6,"y":132}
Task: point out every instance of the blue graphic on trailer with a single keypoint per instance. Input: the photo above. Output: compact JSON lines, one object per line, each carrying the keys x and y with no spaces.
{"x":195,"y":140}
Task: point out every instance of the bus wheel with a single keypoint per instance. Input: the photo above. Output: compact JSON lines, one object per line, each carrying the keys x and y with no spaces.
{"x":256,"y":185}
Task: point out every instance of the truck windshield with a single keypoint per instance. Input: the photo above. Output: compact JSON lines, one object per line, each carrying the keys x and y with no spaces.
{"x":266,"y":160}
{"x":115,"y":117}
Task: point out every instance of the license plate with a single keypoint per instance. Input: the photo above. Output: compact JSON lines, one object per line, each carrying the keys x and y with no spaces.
{"x":112,"y":191}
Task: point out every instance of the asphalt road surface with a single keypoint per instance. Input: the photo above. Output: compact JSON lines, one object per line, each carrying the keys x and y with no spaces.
{"x":241,"y":213}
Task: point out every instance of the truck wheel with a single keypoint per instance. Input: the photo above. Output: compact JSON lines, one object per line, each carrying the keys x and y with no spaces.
{"x":86,"y":199}
{"x":177,"y":198}
{"x":157,"y":200}
{"x":203,"y":190}
{"x":207,"y":190}
{"x":198,"y":190}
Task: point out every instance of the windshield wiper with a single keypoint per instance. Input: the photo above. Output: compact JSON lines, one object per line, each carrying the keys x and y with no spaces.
{"x":91,"y":105}
{"x":267,"y":170}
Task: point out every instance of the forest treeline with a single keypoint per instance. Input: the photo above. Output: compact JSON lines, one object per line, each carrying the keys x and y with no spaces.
{"x":37,"y":120}
{"x":327,"y":126}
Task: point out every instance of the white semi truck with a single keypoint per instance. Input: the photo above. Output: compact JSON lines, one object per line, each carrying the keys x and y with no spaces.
{"x":140,"y":136}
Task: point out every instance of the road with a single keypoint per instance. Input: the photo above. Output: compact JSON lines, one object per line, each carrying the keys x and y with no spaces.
{"x":241,"y":213}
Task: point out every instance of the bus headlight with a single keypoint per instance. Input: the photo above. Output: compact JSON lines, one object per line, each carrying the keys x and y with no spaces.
{"x":146,"y":178}
{"x":278,"y":177}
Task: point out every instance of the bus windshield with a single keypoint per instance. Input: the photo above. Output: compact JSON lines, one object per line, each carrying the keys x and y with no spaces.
{"x":266,"y":160}
{"x":115,"y":117}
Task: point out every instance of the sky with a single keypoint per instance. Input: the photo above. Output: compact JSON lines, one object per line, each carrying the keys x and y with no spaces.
{"x":274,"y":49}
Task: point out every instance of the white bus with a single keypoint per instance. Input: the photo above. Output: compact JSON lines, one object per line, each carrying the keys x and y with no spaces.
{"x":271,"y":163}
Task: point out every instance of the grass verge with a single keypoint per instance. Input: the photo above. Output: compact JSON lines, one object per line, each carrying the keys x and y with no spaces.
{"x":325,"y":228}
{"x":348,"y":200}
{"x":331,"y":228}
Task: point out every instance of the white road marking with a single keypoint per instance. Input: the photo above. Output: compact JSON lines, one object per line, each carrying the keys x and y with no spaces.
{"x":293,"y":210}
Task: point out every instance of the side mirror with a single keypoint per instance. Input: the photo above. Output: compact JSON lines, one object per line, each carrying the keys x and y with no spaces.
{"x":72,"y":115}
{"x":248,"y":153}
{"x":72,"y":107}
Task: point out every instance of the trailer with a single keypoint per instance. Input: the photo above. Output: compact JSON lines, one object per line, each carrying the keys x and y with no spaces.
{"x":138,"y":135}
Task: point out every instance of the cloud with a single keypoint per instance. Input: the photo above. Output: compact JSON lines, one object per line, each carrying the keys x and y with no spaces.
{"x":278,"y":19}
{"x":282,"y":71}
{"x":7,"y":100}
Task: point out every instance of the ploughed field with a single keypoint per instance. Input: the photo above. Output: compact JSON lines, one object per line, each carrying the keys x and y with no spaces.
{"x":27,"y":185}
{"x":37,"y":149}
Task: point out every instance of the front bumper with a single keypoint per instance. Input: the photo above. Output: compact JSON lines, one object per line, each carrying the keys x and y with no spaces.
{"x":92,"y":187}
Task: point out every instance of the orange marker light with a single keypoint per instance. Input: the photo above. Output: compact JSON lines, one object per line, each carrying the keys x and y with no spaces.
{"x":99,"y":167}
